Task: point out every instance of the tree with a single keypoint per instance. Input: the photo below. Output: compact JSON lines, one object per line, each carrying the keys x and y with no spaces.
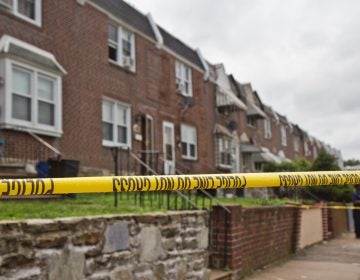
{"x":327,"y":162}
{"x":324,"y":162}
{"x":351,"y":162}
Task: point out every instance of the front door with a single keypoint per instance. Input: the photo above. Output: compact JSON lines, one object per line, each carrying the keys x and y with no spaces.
{"x":169,"y":148}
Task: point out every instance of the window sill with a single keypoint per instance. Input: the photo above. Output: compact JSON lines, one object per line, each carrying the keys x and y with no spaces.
{"x":131,"y":70}
{"x":29,"y":22}
{"x":108,"y":144}
{"x":223,"y":166}
{"x":22,"y":128}
{"x":251,"y":126}
{"x":189,"y":158}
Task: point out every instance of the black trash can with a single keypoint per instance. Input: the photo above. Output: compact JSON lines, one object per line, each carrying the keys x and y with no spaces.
{"x":64,"y":168}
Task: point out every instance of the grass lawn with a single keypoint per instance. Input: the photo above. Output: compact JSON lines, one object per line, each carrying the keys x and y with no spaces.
{"x":100,"y":204}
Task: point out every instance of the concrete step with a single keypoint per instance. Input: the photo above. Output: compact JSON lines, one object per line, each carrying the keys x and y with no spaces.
{"x":220,"y":275}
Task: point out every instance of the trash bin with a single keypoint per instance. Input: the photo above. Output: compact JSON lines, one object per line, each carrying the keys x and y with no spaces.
{"x":62,"y":169}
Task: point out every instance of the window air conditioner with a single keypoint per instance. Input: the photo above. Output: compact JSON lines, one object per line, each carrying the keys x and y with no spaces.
{"x":6,"y":3}
{"x":180,"y":88}
{"x":128,"y":62}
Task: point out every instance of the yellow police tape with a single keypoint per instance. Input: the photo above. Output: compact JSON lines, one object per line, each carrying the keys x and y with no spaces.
{"x":324,"y":206}
{"x":14,"y":187}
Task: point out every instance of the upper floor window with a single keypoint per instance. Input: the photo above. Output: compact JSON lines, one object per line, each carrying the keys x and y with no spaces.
{"x":315,"y":152}
{"x":306,"y":149}
{"x":252,"y":121}
{"x":183,"y":79}
{"x":121,"y":44}
{"x":116,"y":123}
{"x":283,"y":135}
{"x":29,"y":10}
{"x":296,"y":144}
{"x":267,"y":128}
{"x":188,"y":142}
{"x":224,"y":155}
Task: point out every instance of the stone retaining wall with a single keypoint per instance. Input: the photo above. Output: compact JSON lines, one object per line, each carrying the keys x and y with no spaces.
{"x":152,"y":246}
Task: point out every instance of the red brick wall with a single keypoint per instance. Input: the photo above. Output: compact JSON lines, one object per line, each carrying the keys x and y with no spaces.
{"x":77,"y":36}
{"x":255,"y":236}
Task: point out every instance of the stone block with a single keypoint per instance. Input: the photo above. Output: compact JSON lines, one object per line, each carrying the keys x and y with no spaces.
{"x":203,"y":238}
{"x":87,"y":238}
{"x":150,"y":247}
{"x":116,"y":237}
{"x":67,"y":264}
{"x":51,"y":240}
{"x":122,"y":273}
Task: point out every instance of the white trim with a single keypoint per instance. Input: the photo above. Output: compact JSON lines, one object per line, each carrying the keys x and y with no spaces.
{"x":172,"y":163}
{"x":183,"y":68}
{"x":158,"y":36}
{"x":32,"y":125}
{"x":115,"y":143}
{"x":37,"y":10}
{"x":205,"y":65}
{"x":119,"y":47}
{"x":189,"y":128}
{"x":6,"y":40}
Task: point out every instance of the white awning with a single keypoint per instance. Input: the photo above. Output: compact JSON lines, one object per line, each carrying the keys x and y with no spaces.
{"x":220,"y":129}
{"x":254,"y":110}
{"x":228,"y":98}
{"x":266,"y":156}
{"x":30,"y":53}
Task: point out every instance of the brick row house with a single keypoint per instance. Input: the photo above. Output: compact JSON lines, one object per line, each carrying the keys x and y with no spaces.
{"x":86,"y":79}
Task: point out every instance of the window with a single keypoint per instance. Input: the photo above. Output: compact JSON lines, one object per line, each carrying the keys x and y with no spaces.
{"x":267,"y":128}
{"x":306,"y":149}
{"x":29,"y":10}
{"x":283,"y":136}
{"x":224,"y":156}
{"x":188,"y":142}
{"x":252,"y":121}
{"x":315,"y":153}
{"x":296,"y":144}
{"x":116,"y":124}
{"x":183,"y":79}
{"x":121,"y":45}
{"x":32,"y":99}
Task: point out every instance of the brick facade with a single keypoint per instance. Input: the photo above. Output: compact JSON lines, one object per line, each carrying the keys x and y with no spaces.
{"x":254,"y":237}
{"x":77,"y":35}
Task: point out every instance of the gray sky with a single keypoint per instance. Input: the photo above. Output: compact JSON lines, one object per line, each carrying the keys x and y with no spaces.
{"x":302,"y":56}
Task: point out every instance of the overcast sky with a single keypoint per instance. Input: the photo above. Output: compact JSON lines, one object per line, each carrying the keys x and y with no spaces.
{"x":302,"y":56}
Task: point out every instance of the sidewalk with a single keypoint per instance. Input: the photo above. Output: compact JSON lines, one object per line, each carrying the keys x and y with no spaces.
{"x":337,"y":259}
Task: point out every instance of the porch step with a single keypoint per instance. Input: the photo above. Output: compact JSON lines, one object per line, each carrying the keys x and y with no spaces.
{"x":220,"y":275}
{"x":15,"y":170}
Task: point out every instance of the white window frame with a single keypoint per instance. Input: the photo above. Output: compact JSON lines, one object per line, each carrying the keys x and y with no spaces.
{"x":184,"y":131}
{"x":13,"y":6}
{"x":120,"y":56}
{"x":114,"y":142}
{"x":296,"y":144}
{"x":225,"y":147}
{"x":267,"y":128}
{"x":283,"y":136}
{"x":306,"y":149}
{"x":252,"y":121}
{"x":33,"y":125}
{"x":180,"y":73}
